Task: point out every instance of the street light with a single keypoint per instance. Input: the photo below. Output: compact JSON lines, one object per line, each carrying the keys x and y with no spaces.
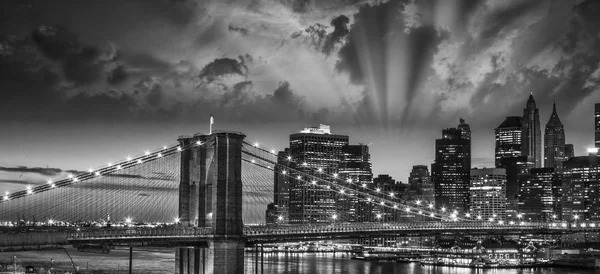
{"x":176,"y":220}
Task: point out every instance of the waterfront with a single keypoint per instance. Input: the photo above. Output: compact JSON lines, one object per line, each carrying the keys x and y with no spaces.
{"x":155,"y":261}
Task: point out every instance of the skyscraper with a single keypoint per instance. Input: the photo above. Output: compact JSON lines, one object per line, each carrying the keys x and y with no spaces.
{"x":311,"y":149}
{"x":356,"y":166}
{"x":554,"y":142}
{"x":509,"y":155}
{"x":451,"y":169}
{"x":569,"y":151}
{"x":581,"y":188}
{"x":419,"y":184}
{"x":597,"y":125}
{"x":532,"y":134}
{"x":538,"y":197}
{"x":488,"y":194}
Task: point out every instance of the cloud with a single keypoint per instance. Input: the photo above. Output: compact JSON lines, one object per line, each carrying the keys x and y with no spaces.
{"x":340,"y":25}
{"x":223,"y":67}
{"x":240,"y":30}
{"x":36,"y":170}
{"x":117,"y":75}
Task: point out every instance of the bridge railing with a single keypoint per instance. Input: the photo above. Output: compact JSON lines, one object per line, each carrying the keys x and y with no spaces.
{"x":179,"y":232}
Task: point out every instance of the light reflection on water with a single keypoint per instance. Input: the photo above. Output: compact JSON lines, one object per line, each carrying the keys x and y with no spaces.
{"x":326,"y":263}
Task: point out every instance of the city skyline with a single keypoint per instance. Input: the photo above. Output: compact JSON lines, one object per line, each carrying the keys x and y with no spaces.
{"x":89,"y":77}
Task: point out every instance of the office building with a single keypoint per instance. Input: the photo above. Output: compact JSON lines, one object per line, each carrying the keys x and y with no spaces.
{"x":554,"y":142}
{"x":420,"y":186}
{"x":532,"y":135}
{"x":569,"y":151}
{"x":312,"y":149}
{"x":488,"y":194}
{"x":581,"y":188}
{"x":451,"y":169}
{"x":597,"y":125}
{"x":356,"y":167}
{"x":539,"y":195}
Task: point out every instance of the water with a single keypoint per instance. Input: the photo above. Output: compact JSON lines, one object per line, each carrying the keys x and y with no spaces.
{"x":155,"y":261}
{"x":310,"y":263}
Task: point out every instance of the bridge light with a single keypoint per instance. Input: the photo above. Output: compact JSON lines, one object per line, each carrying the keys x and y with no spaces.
{"x":159,"y":155}
{"x":273,"y":152}
{"x":491,"y":219}
{"x":478,"y":217}
{"x":164,"y":147}
{"x":364,"y":185}
{"x":284,"y":172}
{"x":378,"y":189}
{"x":391,"y":194}
{"x":395,"y":206}
{"x":456,"y":212}
{"x":299,"y":177}
{"x":253,"y":161}
{"x":431,"y":215}
{"x":70,"y":176}
{"x":199,"y":143}
{"x":280,"y":218}
{"x":256,"y":144}
{"x":368,"y":199}
{"x":494,"y":215}
{"x":443,"y":209}
{"x":52,"y":185}
{"x":454,"y":218}
{"x":50,"y":221}
{"x":29,"y":191}
{"x":289,"y":158}
{"x":119,"y":167}
{"x":314,"y":182}
{"x":378,"y":216}
{"x":335,"y":175}
{"x":407,"y":209}
{"x":75,"y":179}
{"x":139,"y":161}
{"x":582,"y":225}
{"x":97,"y":173}
{"x":418,"y":202}
{"x":176,"y":220}
{"x":553,"y":216}
{"x":576,"y":217}
{"x":90,"y":170}
{"x":382,"y":203}
{"x":342,"y":191}
{"x":320,"y":170}
{"x":349,"y":180}
{"x":420,"y":212}
{"x":128,"y":220}
{"x":304,"y":164}
{"x":128,"y":158}
{"x":501,"y":222}
{"x":519,"y":215}
{"x":49,"y":182}
{"x":6,"y":197}
{"x":593,"y":225}
{"x":328,"y":187}
{"x":564,"y":224}
{"x":522,"y":223}
{"x":430,"y":205}
{"x":147,"y":153}
{"x":511,"y":223}
{"x":468,"y":215}
{"x":334,"y":216}
{"x":178,"y":148}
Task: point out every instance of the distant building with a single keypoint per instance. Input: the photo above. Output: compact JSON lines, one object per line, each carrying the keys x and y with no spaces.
{"x":532,"y":134}
{"x":356,"y":166}
{"x":569,"y":151}
{"x":597,"y":125}
{"x":385,"y":184}
{"x":554,"y":142}
{"x":581,"y":188}
{"x":539,"y":195}
{"x":281,"y":190}
{"x":420,"y":186}
{"x":488,"y":194}
{"x":509,"y":155}
{"x":451,"y":169}
{"x":311,"y":149}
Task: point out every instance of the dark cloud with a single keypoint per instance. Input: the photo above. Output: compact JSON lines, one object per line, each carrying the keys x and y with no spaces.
{"x":81,"y":64}
{"x":223,"y":67}
{"x":317,"y":33}
{"x":36,"y":170}
{"x":508,"y":14}
{"x":17,"y":182}
{"x":117,"y":75}
{"x":340,"y":31}
{"x":240,"y":30}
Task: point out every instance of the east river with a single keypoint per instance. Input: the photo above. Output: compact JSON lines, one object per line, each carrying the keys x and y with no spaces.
{"x":150,"y":261}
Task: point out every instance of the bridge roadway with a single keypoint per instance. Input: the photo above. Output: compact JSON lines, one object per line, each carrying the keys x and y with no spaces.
{"x":182,"y":236}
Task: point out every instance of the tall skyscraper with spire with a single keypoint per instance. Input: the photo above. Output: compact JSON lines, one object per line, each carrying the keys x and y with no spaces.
{"x":532,"y":134}
{"x":554,"y":141}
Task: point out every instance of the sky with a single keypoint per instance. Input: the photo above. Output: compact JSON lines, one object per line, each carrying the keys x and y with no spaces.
{"x":84,"y":83}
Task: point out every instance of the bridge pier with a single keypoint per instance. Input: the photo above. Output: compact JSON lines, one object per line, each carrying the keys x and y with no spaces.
{"x":211,"y":196}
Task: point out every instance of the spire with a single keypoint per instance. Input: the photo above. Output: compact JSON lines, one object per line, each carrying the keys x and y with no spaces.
{"x":554,"y":107}
{"x":531,"y":101}
{"x":554,"y":120}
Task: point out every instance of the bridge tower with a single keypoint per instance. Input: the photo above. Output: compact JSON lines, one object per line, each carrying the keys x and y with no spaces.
{"x":210,"y":195}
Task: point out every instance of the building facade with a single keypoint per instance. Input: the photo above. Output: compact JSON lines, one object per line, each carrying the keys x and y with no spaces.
{"x":539,"y":195}
{"x":420,"y":186}
{"x":312,"y":149}
{"x":554,"y":142}
{"x":597,"y":125}
{"x":355,"y":166}
{"x":569,"y":151}
{"x":488,"y":194}
{"x":581,"y":188}
{"x":532,"y":134}
{"x":451,"y":169}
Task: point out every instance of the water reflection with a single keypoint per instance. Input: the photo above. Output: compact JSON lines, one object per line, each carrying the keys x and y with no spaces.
{"x":327,"y":263}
